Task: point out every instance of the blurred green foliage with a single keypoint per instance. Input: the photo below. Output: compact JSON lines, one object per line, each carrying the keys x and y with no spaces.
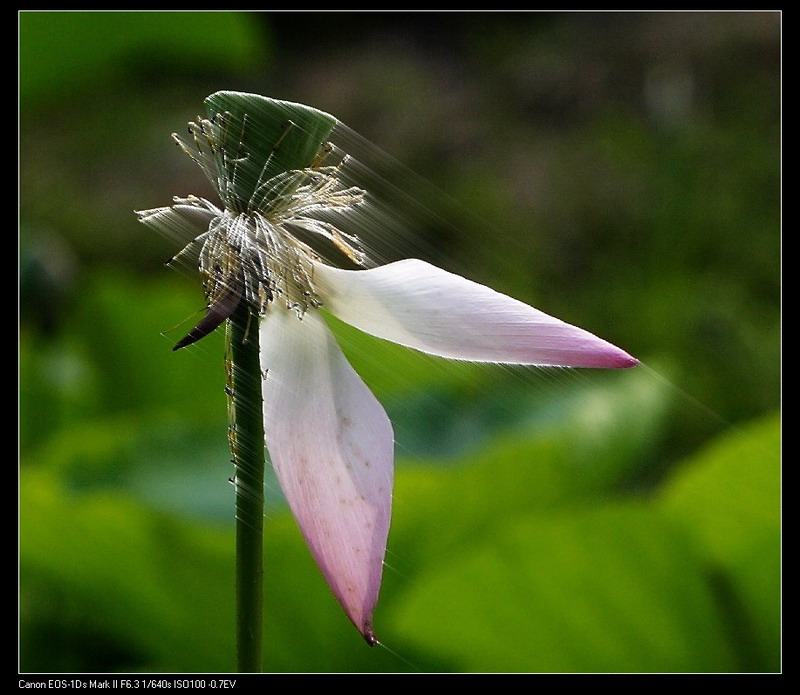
{"x":621,"y":171}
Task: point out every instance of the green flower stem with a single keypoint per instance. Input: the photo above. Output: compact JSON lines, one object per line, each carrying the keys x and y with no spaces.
{"x":247,"y":447}
{"x":260,"y":138}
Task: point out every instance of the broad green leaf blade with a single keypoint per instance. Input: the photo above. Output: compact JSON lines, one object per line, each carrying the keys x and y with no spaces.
{"x":730,"y":492}
{"x":565,"y":451}
{"x":109,"y":584}
{"x":614,"y":589}
{"x":729,"y":497}
{"x":263,"y":138}
{"x":155,"y":588}
{"x":63,"y":53}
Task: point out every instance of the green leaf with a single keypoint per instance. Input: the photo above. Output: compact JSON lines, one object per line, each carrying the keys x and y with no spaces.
{"x":103,"y":566}
{"x":174,"y":464}
{"x":729,"y":493}
{"x":564,"y":451}
{"x":729,"y":497}
{"x":62,"y":51}
{"x":109,"y":584}
{"x":122,"y":323}
{"x":614,"y":589}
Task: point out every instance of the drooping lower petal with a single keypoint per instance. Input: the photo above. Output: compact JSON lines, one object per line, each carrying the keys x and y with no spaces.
{"x":332,"y":447}
{"x":418,"y":305}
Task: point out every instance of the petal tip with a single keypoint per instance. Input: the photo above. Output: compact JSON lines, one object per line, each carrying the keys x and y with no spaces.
{"x":611,"y":357}
{"x":369,"y":635}
{"x":625,"y":361}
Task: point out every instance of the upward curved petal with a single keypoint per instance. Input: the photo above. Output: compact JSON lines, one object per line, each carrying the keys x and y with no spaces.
{"x":331,"y":444}
{"x":421,"y":306}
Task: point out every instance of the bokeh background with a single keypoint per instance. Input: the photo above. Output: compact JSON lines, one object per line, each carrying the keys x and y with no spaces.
{"x":618,"y":170}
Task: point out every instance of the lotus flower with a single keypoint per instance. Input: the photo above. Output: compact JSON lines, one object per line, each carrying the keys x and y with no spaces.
{"x":329,"y":439}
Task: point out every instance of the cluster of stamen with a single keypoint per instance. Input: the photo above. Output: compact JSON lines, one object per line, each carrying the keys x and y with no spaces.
{"x":252,"y":248}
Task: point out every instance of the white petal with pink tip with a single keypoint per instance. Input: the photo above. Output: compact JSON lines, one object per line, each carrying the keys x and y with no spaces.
{"x":332,"y":447}
{"x":421,"y":306}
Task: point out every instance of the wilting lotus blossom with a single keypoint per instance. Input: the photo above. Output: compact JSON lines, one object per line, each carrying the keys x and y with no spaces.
{"x":328,"y":437}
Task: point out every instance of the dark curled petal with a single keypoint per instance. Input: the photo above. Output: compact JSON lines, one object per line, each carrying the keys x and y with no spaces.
{"x":217,"y":313}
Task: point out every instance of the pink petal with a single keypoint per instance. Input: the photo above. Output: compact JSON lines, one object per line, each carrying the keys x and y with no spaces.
{"x":421,"y":306}
{"x":331,"y":444}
